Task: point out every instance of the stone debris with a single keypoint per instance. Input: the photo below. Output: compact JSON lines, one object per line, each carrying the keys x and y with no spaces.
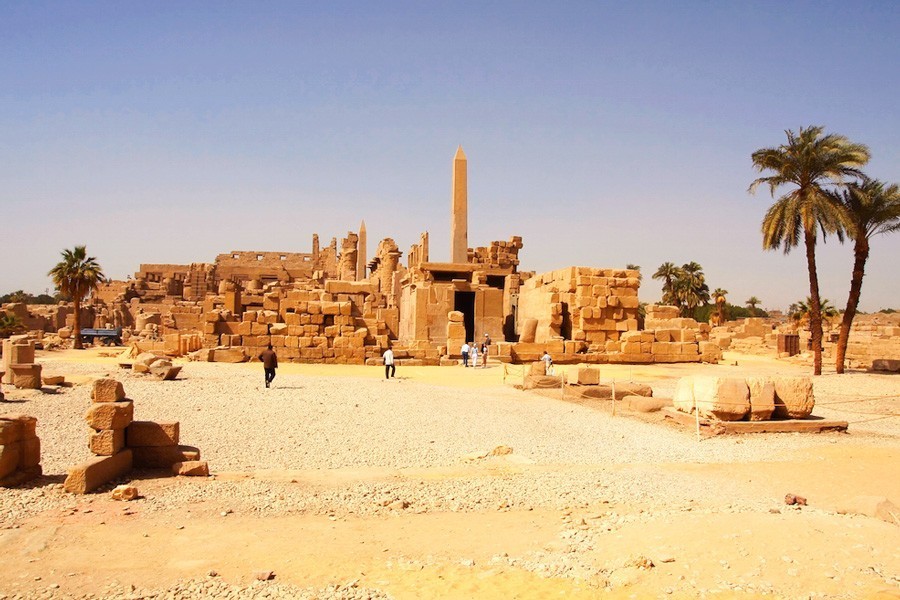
{"x":794,"y":500}
{"x":191,"y":468}
{"x":124,"y":492}
{"x":121,"y":444}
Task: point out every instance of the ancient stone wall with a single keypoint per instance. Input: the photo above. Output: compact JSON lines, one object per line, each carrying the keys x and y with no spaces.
{"x":580,"y":304}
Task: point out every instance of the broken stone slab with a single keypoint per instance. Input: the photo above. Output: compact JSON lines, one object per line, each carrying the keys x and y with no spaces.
{"x":683,"y":397}
{"x":229,"y":355}
{"x":152,"y":434}
{"x":886,"y":364}
{"x":191,"y":468}
{"x":163,"y":457}
{"x":107,"y":390}
{"x":762,"y":398}
{"x":644,"y":404}
{"x":110,"y":415}
{"x":53,"y":379}
{"x":95,"y":472}
{"x":723,"y":398}
{"x":793,"y":398}
{"x":165,"y":372}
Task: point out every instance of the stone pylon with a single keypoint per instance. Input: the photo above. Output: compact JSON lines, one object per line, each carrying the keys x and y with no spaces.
{"x":459,"y":210}
{"x":361,"y":258}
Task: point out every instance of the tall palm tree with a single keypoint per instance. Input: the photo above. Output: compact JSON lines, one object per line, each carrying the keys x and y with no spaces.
{"x":872,"y":207}
{"x":808,"y":161}
{"x":77,"y":275}
{"x":668,"y":272}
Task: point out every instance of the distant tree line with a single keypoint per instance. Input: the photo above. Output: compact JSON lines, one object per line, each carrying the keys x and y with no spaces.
{"x":21,"y":296}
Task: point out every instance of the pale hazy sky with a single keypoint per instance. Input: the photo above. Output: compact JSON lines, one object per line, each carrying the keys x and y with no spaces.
{"x":604,"y":133}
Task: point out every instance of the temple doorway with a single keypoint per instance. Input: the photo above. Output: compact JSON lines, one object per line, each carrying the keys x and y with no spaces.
{"x":464,"y":302}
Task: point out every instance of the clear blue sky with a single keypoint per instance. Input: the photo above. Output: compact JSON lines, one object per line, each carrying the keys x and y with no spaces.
{"x":604,"y":133}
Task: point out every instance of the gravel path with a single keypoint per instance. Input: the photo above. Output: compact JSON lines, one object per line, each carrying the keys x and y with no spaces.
{"x":380,"y":434}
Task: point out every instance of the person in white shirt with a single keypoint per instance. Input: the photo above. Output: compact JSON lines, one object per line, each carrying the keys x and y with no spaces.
{"x":389,"y":368}
{"x":548,"y":362}
{"x":473,"y":352}
{"x":465,"y":353}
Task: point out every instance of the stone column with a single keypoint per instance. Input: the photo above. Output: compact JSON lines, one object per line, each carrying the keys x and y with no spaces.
{"x":361,"y":257}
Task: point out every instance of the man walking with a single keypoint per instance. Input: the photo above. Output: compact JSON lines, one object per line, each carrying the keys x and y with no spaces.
{"x":389,"y":368}
{"x":270,"y":363}
{"x":465,"y":353}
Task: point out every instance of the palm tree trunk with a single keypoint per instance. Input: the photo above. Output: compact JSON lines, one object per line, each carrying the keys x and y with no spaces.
{"x":77,"y":311}
{"x":861,"y":254}
{"x":815,"y":309}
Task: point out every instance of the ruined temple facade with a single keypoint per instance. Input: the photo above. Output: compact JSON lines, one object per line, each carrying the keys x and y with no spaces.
{"x":343,"y":303}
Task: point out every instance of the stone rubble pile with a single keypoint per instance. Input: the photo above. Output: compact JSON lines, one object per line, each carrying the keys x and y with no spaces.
{"x":120,"y":443}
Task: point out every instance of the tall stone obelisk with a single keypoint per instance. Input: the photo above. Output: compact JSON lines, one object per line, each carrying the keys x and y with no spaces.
{"x":459,"y":210}
{"x":361,"y":259}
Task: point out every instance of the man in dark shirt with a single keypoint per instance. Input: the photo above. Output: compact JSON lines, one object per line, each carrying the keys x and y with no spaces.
{"x":270,"y":363}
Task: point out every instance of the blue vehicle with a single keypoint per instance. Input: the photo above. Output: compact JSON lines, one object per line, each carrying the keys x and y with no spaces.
{"x":105,"y":337}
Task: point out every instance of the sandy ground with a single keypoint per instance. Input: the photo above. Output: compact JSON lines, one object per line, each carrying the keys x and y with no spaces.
{"x":348,"y":486}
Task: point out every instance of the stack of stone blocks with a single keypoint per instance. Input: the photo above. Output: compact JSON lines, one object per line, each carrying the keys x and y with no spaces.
{"x":745,"y":399}
{"x":340,"y":324}
{"x":19,"y":367}
{"x":20,"y":450}
{"x":598,"y":304}
{"x":666,"y":338}
{"x":120,"y":443}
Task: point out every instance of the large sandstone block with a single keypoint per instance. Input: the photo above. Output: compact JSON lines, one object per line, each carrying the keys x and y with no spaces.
{"x":588,"y":376}
{"x":151,"y":433}
{"x":229,"y":355}
{"x":538,"y":368}
{"x":683,"y":397}
{"x":158,"y":457}
{"x":110,"y":415}
{"x":26,"y":376}
{"x":723,"y":398}
{"x":762,"y":398}
{"x":793,"y":398}
{"x":107,"y":390}
{"x":106,"y":442}
{"x":95,"y":472}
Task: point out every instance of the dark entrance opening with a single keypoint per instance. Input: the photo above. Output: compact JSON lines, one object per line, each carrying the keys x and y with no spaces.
{"x":464,"y":302}
{"x":565,"y":329}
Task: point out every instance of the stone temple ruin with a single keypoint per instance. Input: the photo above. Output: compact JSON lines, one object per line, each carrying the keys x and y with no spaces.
{"x":337,"y":304}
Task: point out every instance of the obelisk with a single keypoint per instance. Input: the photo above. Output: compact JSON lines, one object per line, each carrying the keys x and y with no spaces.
{"x":459,"y":210}
{"x":361,"y":253}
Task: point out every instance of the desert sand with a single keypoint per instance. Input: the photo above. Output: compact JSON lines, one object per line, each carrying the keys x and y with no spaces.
{"x":344,"y":485}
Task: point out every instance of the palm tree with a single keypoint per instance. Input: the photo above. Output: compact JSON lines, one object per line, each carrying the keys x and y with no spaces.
{"x":751,"y":303}
{"x":668,"y":272}
{"x":872,"y":207}
{"x":803,"y":313}
{"x":690,"y":286}
{"x":809,"y":161}
{"x":77,"y":275}
{"x":635,"y":268}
